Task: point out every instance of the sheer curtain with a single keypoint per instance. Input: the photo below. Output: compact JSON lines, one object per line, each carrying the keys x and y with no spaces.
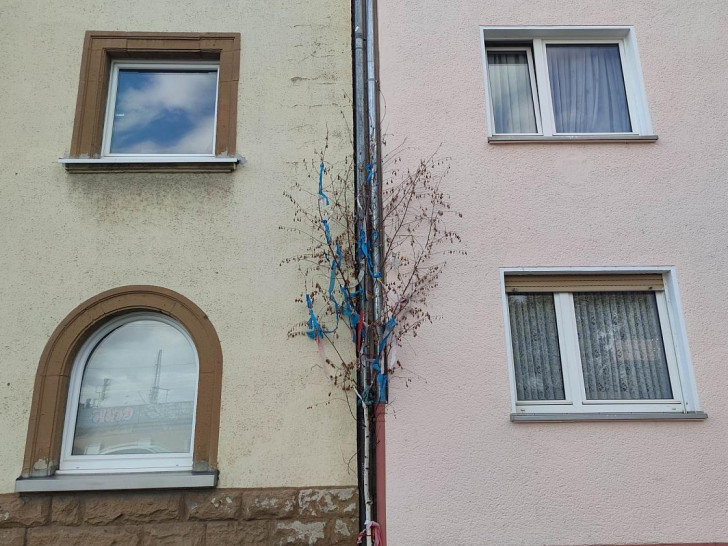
{"x":511,"y":94}
{"x":535,"y":343}
{"x":621,"y":347}
{"x":587,"y":89}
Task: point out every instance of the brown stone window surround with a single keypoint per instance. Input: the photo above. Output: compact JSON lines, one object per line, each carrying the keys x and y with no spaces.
{"x":100,"y":48}
{"x":48,"y":407}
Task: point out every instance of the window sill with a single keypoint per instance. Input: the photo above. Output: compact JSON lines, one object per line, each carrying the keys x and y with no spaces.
{"x":647,"y":416}
{"x":113,"y":482}
{"x":188,"y":164}
{"x":590,"y":139}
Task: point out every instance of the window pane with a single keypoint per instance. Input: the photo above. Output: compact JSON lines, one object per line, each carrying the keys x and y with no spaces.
{"x":510,"y":92}
{"x":535,"y":339}
{"x":587,"y":89}
{"x":164,"y":112}
{"x":620,"y":341}
{"x":138,"y":392}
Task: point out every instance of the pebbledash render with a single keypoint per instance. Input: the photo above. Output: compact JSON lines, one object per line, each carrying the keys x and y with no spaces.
{"x":573,"y":389}
{"x":149,"y":392}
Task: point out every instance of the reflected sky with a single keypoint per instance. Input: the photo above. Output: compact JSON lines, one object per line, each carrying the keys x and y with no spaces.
{"x":164,"y":112}
{"x":126,"y":358}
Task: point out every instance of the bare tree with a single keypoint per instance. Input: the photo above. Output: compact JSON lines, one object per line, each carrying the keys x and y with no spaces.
{"x":415,"y":245}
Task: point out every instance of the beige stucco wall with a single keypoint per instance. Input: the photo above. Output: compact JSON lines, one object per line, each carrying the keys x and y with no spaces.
{"x":458,"y":472}
{"x":213,"y":237}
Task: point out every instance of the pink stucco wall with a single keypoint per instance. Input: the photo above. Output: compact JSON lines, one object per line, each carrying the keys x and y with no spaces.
{"x":458,"y":471}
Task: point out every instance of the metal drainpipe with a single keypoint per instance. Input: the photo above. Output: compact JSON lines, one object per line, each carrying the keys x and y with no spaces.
{"x":361,"y":145}
{"x":375,"y":198}
{"x":377,"y":447}
{"x":368,"y":196}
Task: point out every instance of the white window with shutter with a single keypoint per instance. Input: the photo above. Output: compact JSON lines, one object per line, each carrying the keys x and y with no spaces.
{"x":596,"y":341}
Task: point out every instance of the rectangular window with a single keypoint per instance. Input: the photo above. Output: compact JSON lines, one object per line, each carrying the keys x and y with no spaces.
{"x":595,"y":343}
{"x":161,"y":109}
{"x":564,"y":82}
{"x":156,"y":102}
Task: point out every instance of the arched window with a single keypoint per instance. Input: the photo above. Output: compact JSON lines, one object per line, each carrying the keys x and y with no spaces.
{"x":128,"y":386}
{"x":132,"y":395}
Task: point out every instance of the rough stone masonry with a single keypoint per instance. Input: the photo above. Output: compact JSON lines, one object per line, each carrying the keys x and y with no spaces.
{"x":286,"y":516}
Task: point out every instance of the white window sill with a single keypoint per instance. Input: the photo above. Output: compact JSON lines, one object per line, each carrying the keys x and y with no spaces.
{"x":646,"y":416}
{"x":115,"y":482}
{"x":158,"y":164}
{"x":594,"y":139}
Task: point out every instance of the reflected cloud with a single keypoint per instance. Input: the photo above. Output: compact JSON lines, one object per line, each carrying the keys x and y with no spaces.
{"x":164,"y":112}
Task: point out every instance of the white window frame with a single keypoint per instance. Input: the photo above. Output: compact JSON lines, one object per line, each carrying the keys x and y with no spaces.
{"x":540,"y":37}
{"x":117,"y":65}
{"x":532,"y":77}
{"x":682,"y":380}
{"x":87,"y":464}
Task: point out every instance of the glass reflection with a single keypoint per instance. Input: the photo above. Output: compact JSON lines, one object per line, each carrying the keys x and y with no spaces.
{"x":164,"y":112}
{"x":137,"y":392}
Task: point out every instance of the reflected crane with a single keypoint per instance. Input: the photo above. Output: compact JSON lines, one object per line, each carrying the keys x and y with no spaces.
{"x":154,"y":391}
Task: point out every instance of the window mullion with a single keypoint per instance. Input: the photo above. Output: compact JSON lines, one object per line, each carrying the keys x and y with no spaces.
{"x":632,"y":107}
{"x":570,"y":353}
{"x":669,"y":347}
{"x":634,"y":85}
{"x":110,"y":109}
{"x":535,"y":92}
{"x":544,"y":89}
{"x":562,"y":321}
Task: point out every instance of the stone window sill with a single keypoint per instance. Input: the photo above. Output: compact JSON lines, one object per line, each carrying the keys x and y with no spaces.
{"x":592,"y":139}
{"x":647,"y":416}
{"x":190,"y":164}
{"x":116,"y":482}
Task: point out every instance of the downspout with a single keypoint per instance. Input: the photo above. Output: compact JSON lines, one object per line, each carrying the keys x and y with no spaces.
{"x":361,"y":153}
{"x":370,"y":446}
{"x":378,"y":245}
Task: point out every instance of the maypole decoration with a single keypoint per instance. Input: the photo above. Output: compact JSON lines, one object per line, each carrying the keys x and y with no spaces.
{"x":343,"y":301}
{"x":371,"y":274}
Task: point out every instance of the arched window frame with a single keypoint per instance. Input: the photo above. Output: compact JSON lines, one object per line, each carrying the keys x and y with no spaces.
{"x":50,"y":393}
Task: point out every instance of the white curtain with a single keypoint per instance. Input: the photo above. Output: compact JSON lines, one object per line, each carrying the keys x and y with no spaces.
{"x":587,"y":88}
{"x":511,"y":94}
{"x":535,"y":343}
{"x":622,"y":352}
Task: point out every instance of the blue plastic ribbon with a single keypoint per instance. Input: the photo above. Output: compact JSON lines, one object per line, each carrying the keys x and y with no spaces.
{"x":382,"y":377}
{"x":382,"y":381}
{"x":364,"y":251}
{"x":391,"y":323}
{"x":314,"y":328}
{"x":327,"y":231}
{"x":370,"y":172}
{"x":347,"y":309}
{"x":321,"y":193}
{"x":315,"y":331}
